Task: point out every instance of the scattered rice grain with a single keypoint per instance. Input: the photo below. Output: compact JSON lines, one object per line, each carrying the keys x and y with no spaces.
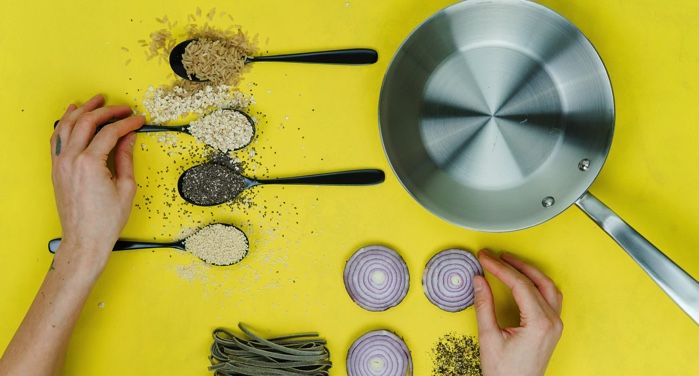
{"x":161,"y":42}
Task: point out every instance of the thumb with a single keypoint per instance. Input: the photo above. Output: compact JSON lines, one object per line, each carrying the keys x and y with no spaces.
{"x":485,"y":308}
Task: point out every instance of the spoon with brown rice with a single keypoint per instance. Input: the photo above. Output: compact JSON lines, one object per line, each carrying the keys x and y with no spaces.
{"x":215,"y":60}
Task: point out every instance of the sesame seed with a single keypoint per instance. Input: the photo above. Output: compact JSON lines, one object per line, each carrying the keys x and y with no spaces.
{"x":218,"y":244}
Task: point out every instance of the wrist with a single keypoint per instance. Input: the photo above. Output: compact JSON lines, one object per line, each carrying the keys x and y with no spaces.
{"x":78,"y":263}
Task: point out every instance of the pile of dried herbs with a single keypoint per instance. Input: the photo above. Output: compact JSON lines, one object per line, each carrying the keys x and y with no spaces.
{"x":456,"y":355}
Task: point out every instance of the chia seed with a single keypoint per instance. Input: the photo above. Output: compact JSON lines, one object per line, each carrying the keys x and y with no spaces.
{"x":212,"y":183}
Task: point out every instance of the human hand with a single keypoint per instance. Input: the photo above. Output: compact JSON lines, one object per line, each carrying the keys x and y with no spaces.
{"x":525,"y":350}
{"x":93,"y":204}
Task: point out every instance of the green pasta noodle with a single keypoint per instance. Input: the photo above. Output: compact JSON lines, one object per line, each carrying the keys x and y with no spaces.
{"x":251,"y":354}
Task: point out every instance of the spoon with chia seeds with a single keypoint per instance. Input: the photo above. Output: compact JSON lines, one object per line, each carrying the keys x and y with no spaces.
{"x":353,"y":56}
{"x":224,"y":129}
{"x":216,"y":244}
{"x":215,"y":183}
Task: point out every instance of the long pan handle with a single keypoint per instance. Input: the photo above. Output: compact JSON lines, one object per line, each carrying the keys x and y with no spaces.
{"x":677,"y":283}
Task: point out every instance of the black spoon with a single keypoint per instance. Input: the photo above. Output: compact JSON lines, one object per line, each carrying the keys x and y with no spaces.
{"x":128,"y":245}
{"x":183,"y":128}
{"x":354,"y":56}
{"x":223,"y":184}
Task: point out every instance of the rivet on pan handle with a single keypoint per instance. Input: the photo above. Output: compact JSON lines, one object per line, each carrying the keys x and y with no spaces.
{"x":679,"y":285}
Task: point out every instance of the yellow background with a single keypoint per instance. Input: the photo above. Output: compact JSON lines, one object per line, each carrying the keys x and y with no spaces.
{"x":159,"y":307}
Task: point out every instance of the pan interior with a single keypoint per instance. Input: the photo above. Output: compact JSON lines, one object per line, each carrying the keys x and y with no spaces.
{"x":496,"y":115}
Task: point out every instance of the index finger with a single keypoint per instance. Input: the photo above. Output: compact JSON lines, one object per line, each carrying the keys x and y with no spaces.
{"x":107,"y":137}
{"x":545,"y":285}
{"x":87,"y":124}
{"x":527,"y":297}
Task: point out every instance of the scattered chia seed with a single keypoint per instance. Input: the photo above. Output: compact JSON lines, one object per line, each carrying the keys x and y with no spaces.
{"x":456,"y":355}
{"x":212,"y":183}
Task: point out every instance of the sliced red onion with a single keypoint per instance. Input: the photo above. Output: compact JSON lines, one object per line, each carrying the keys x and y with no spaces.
{"x":379,"y":353}
{"x":376,"y":278}
{"x":448,"y":279}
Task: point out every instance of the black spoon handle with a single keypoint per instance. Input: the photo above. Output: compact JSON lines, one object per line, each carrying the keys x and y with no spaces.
{"x":355,"y":177}
{"x":148,"y":128}
{"x":162,"y":128}
{"x":355,"y":56}
{"x":124,"y":245}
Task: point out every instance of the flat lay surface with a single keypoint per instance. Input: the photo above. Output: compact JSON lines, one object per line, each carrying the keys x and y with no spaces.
{"x":152,"y":311}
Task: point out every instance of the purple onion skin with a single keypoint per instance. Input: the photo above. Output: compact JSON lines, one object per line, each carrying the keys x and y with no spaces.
{"x":448,"y":279}
{"x":376,"y":278}
{"x":379,"y":353}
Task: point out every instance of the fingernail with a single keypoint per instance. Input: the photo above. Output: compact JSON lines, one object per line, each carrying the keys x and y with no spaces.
{"x":510,"y":256}
{"x":477,"y":283}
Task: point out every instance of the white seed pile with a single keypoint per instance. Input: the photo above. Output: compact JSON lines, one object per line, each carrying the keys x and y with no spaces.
{"x":168,"y":104}
{"x":218,"y":244}
{"x":223,"y":129}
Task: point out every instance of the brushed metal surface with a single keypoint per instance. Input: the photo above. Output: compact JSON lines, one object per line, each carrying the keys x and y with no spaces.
{"x":489,"y":109}
{"x":675,"y":281}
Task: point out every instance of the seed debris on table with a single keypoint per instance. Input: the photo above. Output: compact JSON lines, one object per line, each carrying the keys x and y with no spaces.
{"x":169,"y":103}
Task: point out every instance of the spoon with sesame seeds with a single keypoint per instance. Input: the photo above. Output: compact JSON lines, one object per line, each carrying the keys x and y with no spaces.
{"x":215,"y":183}
{"x":238,"y":129}
{"x":216,"y":244}
{"x":353,"y":56}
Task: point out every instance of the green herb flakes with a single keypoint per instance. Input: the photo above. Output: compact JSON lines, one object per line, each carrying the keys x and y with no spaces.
{"x":456,"y":355}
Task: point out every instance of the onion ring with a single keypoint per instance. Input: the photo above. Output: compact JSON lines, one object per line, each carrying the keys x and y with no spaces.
{"x":376,"y":278}
{"x":448,"y":279}
{"x":379,"y":353}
